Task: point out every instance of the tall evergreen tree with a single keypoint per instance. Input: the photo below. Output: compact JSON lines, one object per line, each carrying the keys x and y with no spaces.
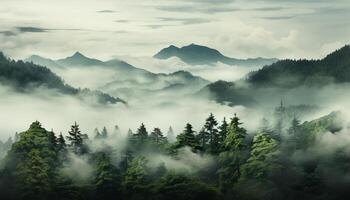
{"x":32,"y":161}
{"x":52,"y":139}
{"x":223,"y":129}
{"x":294,"y":135}
{"x":233,"y":156}
{"x":157,"y":137}
{"x":107,"y":179}
{"x":187,"y":138}
{"x":210,"y":127}
{"x":137,"y":179}
{"x":236,"y":136}
{"x":61,"y":143}
{"x":76,"y":139}
{"x":129,"y":133}
{"x":170,"y":135}
{"x":264,"y":158}
{"x":104,"y":133}
{"x":141,"y":135}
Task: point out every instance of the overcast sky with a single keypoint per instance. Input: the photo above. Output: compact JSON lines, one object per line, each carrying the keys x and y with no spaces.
{"x":109,"y":28}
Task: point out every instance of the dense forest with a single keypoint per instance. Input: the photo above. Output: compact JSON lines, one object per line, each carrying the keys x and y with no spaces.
{"x":282,"y":159}
{"x":334,"y":68}
{"x":284,"y":77}
{"x":26,"y":77}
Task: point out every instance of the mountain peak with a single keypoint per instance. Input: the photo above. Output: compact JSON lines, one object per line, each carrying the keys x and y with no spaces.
{"x":78,"y":55}
{"x":79,"y":59}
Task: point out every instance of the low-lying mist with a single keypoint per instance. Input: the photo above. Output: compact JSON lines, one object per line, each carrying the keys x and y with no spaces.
{"x":58,"y":112}
{"x":218,"y":71}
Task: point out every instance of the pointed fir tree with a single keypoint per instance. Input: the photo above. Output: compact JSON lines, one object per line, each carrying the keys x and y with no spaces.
{"x":141,"y":135}
{"x":223,"y":129}
{"x":234,"y":155}
{"x":107,"y":177}
{"x":52,"y":139}
{"x":263,"y":160}
{"x":129,"y":133}
{"x":280,"y":115}
{"x":170,"y":135}
{"x":210,"y":127}
{"x":157,"y":137}
{"x":187,"y":138}
{"x":294,"y":140}
{"x":76,"y":139}
{"x":61,"y":143}
{"x":104,"y":133}
{"x":203,"y":138}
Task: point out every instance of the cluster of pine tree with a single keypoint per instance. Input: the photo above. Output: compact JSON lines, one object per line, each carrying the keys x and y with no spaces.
{"x":246,"y":166}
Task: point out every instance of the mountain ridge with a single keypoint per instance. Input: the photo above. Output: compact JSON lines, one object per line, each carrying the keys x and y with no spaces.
{"x":194,"y":54}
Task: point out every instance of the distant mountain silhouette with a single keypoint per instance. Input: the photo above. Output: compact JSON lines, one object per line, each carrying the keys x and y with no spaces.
{"x":43,"y":61}
{"x":201,"y":55}
{"x":127,"y":76}
{"x":79,"y":59}
{"x":26,"y":76}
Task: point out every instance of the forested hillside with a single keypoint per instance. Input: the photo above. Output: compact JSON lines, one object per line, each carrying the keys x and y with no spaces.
{"x":334,"y":68}
{"x":292,"y":79}
{"x":222,"y":160}
{"x":26,"y":77}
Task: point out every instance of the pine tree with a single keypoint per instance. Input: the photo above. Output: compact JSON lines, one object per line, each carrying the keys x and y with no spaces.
{"x":187,"y":138}
{"x":52,"y":139}
{"x":107,"y":178}
{"x":141,"y":135}
{"x":32,"y":161}
{"x":61,"y":143}
{"x":264,"y":158}
{"x":104,"y":133}
{"x":137,"y":179}
{"x":157,"y":137}
{"x":76,"y":139}
{"x":236,"y":136}
{"x":266,"y":129}
{"x":280,"y":115}
{"x":210,"y":134}
{"x":203,"y":138}
{"x":170,"y":135}
{"x":223,"y":129}
{"x":295,"y":133}
{"x":233,"y":157}
{"x":130,"y":133}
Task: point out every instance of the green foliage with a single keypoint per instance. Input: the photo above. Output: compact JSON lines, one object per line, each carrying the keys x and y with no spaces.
{"x":187,"y":138}
{"x":223,"y":130}
{"x":137,"y":179}
{"x":77,"y":139}
{"x":264,"y":158}
{"x":107,"y":179}
{"x":32,"y":161}
{"x":24,"y":76}
{"x":181,"y":187}
{"x":209,"y":137}
{"x":261,"y":168}
{"x":293,"y":73}
{"x":235,"y":140}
